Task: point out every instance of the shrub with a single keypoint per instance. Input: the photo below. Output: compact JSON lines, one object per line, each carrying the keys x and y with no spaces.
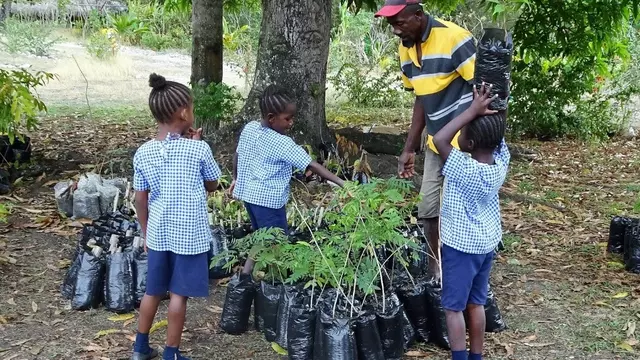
{"x":103,"y":44}
{"x":19,"y":101}
{"x":27,"y":37}
{"x":215,"y":103}
{"x":377,"y":87}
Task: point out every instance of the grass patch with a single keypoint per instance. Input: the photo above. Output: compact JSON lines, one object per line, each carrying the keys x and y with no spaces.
{"x":104,"y":114}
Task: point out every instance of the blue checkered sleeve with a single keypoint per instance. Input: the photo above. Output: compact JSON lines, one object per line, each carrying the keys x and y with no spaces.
{"x":208,"y":167}
{"x":295,"y":155}
{"x":139,"y":181}
{"x":502,"y":155}
{"x":460,"y":168}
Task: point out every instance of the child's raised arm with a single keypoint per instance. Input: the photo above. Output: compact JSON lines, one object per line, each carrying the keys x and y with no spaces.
{"x":479,"y":107}
{"x":326,"y":174}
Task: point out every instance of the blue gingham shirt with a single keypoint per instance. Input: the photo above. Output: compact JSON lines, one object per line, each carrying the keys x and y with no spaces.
{"x":470,"y":212}
{"x":174,"y":172}
{"x":266,"y":160}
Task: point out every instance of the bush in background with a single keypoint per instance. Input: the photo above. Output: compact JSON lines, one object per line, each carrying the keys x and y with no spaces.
{"x":30,"y":37}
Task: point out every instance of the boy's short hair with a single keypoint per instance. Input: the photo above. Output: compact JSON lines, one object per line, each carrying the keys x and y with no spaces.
{"x":487,"y":131}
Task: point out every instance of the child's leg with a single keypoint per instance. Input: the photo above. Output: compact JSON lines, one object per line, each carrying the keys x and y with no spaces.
{"x":262,"y":217}
{"x":477,"y":300}
{"x":459,"y":270}
{"x":189,"y":278}
{"x":158,"y":277}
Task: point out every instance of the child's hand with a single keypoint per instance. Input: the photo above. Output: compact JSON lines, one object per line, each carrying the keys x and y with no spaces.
{"x":194,"y":134}
{"x":482,"y":100}
{"x":231,"y":187}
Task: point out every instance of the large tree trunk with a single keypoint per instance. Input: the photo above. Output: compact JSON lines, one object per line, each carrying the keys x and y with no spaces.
{"x":5,"y":10}
{"x":206,"y":57}
{"x":293,"y":52}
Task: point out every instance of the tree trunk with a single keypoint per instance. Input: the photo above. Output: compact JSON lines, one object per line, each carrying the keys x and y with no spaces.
{"x":206,"y":59}
{"x":5,"y":10}
{"x":293,"y":52}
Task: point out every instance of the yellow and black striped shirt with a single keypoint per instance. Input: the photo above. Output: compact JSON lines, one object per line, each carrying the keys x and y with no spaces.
{"x":442,"y":79}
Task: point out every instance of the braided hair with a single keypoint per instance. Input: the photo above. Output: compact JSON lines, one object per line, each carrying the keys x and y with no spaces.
{"x":274,"y":100}
{"x":167,"y":97}
{"x":487,"y":131}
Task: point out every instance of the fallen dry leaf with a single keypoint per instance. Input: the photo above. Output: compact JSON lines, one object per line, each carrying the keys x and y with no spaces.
{"x":34,"y":306}
{"x":416,"y":353}
{"x":11,"y":302}
{"x":121,"y":317}
{"x":158,"y":325}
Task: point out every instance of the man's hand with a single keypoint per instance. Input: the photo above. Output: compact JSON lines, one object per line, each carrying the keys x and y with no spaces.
{"x":406,"y":164}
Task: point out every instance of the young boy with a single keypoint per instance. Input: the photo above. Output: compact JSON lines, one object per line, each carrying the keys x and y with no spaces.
{"x":470,"y":226}
{"x":171,"y":174}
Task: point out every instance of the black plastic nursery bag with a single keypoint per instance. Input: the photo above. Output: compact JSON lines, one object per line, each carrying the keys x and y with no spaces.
{"x":334,"y":337}
{"x":237,"y":305}
{"x":140,"y":267}
{"x":390,"y":325}
{"x":408,"y":332}
{"x":616,"y":234}
{"x":414,"y":298}
{"x":119,"y":290}
{"x":368,"y":337}
{"x":301,"y":332}
{"x":495,"y":323}
{"x":437,"y":317}
{"x":69,"y":282}
{"x":89,"y":283}
{"x":266,"y":309}
{"x":632,"y":248}
{"x":219,"y":244}
{"x":493,"y":65}
{"x":288,"y":294}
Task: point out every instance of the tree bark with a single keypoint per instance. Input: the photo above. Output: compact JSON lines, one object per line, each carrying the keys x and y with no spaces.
{"x":5,"y":10}
{"x":293,"y":52}
{"x":206,"y":59}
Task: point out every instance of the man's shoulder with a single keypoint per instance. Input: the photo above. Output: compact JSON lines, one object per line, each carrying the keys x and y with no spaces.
{"x":449,"y":28}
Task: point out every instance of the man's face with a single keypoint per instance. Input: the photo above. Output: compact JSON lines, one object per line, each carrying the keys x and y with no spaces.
{"x":406,"y":25}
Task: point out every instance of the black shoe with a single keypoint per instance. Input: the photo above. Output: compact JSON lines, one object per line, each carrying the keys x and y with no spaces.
{"x":140,"y":356}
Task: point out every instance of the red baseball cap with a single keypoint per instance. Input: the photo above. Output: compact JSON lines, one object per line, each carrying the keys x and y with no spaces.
{"x":393,"y":7}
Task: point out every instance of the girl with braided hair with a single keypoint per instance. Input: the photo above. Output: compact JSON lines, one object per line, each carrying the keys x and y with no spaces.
{"x":470,"y":225}
{"x":172,"y":174}
{"x":264,"y":160}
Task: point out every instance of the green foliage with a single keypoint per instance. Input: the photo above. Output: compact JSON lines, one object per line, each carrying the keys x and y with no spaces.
{"x":129,"y":27}
{"x":215,"y":103}
{"x":19,"y":101}
{"x":371,"y":87}
{"x":102,"y":45}
{"x":33,"y":38}
{"x":360,"y":219}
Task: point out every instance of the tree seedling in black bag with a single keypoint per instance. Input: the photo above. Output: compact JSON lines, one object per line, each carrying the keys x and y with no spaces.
{"x":493,"y":65}
{"x":237,"y":305}
{"x":617,"y":230}
{"x":266,"y":309}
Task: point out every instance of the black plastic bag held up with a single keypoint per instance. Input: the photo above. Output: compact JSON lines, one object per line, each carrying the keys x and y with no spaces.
{"x":301,"y":332}
{"x":368,"y":337}
{"x":438,"y":320}
{"x":632,"y":248}
{"x":287,"y":296}
{"x":616,"y":234}
{"x":390,"y":325}
{"x":334,"y":338}
{"x":89,"y":283}
{"x":266,"y":309}
{"x":414,"y":299}
{"x":237,"y":305}
{"x":495,"y":323}
{"x":119,"y":289}
{"x":493,"y":65}
{"x":69,"y":283}
{"x":140,"y":267}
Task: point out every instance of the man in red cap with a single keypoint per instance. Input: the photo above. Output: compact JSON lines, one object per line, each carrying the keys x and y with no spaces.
{"x":437,"y":59}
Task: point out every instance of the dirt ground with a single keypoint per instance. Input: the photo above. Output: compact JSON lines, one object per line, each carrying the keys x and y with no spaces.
{"x":561,"y":295}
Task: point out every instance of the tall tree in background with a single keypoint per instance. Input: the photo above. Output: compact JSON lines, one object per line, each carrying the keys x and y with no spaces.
{"x":5,"y":10}
{"x":207,"y":59}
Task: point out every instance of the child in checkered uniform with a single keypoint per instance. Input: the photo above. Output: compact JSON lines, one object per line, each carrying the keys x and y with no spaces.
{"x":264,"y":161}
{"x":172,"y":174}
{"x":470,"y":226}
